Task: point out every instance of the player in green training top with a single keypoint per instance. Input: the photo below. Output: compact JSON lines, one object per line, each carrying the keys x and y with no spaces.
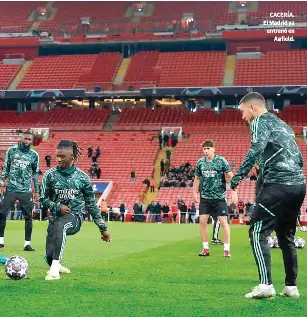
{"x":67,"y":192}
{"x":21,"y":166}
{"x":280,"y":192}
{"x":214,"y":171}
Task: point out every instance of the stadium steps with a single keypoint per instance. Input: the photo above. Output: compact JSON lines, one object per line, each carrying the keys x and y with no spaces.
{"x":148,"y":197}
{"x":229,"y":70}
{"x":242,"y":16}
{"x":112,"y":119}
{"x":13,"y":85}
{"x":34,"y":26}
{"x":150,"y":8}
{"x":253,"y":6}
{"x":122,"y":71}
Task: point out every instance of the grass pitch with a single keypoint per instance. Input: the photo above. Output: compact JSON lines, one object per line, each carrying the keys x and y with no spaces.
{"x":147,"y":270}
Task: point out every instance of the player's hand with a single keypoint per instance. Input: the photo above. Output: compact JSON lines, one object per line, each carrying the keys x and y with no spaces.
{"x":105,"y":236}
{"x":2,"y":190}
{"x":195,"y":197}
{"x":64,"y":210}
{"x":234,"y":196}
{"x":36,"y":197}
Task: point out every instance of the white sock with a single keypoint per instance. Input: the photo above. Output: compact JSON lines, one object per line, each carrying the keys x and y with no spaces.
{"x":1,"y":240}
{"x":205,"y":245}
{"x":55,"y":268}
{"x":226,"y":246}
{"x":291,"y":288}
{"x":27,"y":243}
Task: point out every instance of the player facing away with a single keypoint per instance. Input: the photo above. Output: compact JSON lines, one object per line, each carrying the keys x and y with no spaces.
{"x":20,"y":167}
{"x":213,"y":171}
{"x":67,"y":192}
{"x":280,"y":193}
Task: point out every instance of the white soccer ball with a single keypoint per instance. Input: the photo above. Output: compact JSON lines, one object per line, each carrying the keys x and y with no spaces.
{"x":16,"y":268}
{"x":271,"y":241}
{"x":299,"y":243}
{"x":276,"y":243}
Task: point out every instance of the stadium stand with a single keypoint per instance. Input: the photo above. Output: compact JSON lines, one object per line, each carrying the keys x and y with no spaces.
{"x":150,"y":119}
{"x":177,"y":69}
{"x":14,"y":17}
{"x":69,"y":15}
{"x":228,"y":117}
{"x":273,"y":68}
{"x":57,"y":72}
{"x":294,"y":115}
{"x":141,"y":70}
{"x":102,"y":73}
{"x":217,"y":14}
{"x":120,"y":152}
{"x":69,"y":71}
{"x":192,"y":69}
{"x":297,"y":8}
{"x":57,"y":119}
{"x":7,"y":74}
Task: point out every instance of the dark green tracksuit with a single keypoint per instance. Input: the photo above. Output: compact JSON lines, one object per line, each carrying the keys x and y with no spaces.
{"x":281,"y":190}
{"x":71,"y":187}
{"x":21,"y":166}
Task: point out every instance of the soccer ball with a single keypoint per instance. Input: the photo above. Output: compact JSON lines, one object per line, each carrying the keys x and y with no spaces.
{"x":276,"y":243}
{"x":299,"y":243}
{"x":271,"y":241}
{"x":16,"y":268}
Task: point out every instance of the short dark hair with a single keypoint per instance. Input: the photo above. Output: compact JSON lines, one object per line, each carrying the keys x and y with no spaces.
{"x":208,"y":143}
{"x":27,"y":132}
{"x":252,"y":95}
{"x":76,"y":150}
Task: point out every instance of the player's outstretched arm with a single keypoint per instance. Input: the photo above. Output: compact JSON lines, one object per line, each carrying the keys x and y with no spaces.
{"x":90,"y":204}
{"x":260,"y":138}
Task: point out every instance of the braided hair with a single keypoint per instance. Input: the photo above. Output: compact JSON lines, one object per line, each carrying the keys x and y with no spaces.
{"x":76,"y":150}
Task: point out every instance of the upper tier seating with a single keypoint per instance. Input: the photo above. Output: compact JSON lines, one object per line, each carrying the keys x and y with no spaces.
{"x":7,"y":74}
{"x":141,"y":70}
{"x":218,"y":14}
{"x":69,"y":71}
{"x":103,"y":72}
{"x":297,"y":8}
{"x":14,"y":15}
{"x":273,"y":68}
{"x":193,"y":69}
{"x":120,"y":152}
{"x":57,"y":72}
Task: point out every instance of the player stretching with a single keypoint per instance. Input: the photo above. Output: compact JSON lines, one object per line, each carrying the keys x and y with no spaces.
{"x":67,"y":192}
{"x":214,"y":170}
{"x":20,"y":167}
{"x":280,"y":194}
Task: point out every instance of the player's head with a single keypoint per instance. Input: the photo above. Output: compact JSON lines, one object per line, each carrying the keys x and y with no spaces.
{"x":27,"y":139}
{"x":67,"y":152}
{"x":208,"y":148}
{"x":251,"y":106}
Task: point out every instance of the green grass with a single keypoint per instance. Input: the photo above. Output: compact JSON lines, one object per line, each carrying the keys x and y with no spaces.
{"x":147,"y":270}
